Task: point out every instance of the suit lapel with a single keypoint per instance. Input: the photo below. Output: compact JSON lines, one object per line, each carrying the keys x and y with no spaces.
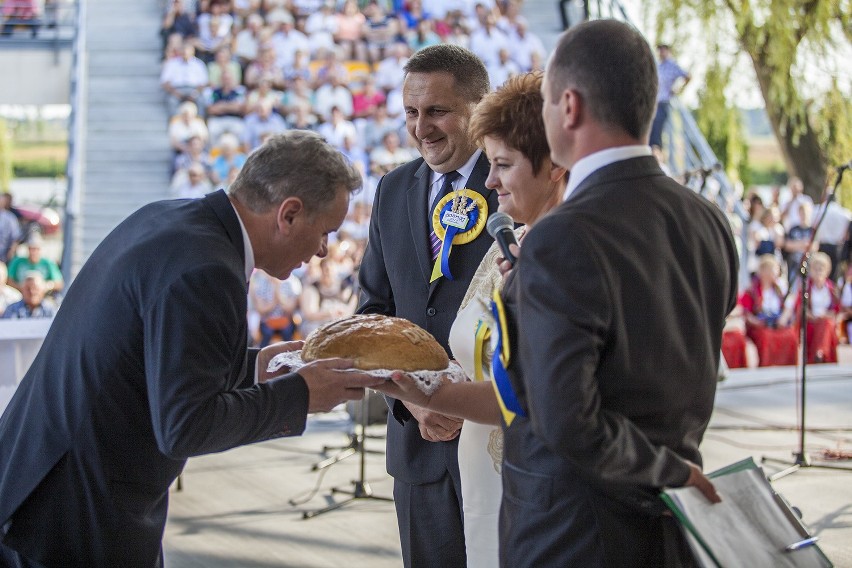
{"x":417,"y":195}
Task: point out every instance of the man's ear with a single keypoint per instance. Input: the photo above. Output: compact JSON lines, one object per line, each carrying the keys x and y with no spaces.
{"x":556,"y":172}
{"x":289,"y":210}
{"x":572,"y":106}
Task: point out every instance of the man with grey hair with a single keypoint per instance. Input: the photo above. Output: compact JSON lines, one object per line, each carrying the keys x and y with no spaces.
{"x":619,"y":297}
{"x":146,"y":363}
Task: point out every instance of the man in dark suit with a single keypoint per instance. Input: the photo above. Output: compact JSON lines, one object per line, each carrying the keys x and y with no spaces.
{"x":146,"y":363}
{"x":619,"y":298}
{"x":442,"y":85}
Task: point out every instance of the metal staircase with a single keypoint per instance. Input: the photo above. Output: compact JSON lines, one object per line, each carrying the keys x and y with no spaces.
{"x":119,"y":158}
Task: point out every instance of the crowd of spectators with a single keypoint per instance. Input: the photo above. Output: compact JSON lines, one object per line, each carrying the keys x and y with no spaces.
{"x":29,"y":283}
{"x":237,"y":71}
{"x":779,"y":233}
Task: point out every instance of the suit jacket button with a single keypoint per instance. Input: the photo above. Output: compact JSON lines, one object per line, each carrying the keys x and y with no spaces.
{"x":431,"y":312}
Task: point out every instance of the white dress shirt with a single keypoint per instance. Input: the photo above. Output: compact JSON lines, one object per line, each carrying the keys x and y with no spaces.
{"x":464,"y":175}
{"x":246,"y":246}
{"x":593,"y":162}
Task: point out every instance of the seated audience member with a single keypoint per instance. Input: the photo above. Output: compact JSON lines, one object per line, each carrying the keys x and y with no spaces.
{"x":846,"y":306}
{"x":321,"y":27}
{"x":488,"y":40}
{"x":325,"y":297}
{"x":194,"y":152}
{"x":337,"y":128}
{"x":350,"y":31}
{"x":525,"y":45}
{"x":301,"y":67}
{"x":179,"y":21}
{"x":33,"y":303}
{"x":223,"y":61}
{"x":299,"y":94}
{"x":8,"y":295}
{"x":10,"y":228}
{"x":767,"y":236}
{"x":230,"y":156}
{"x":227,"y":108}
{"x":333,"y":94}
{"x":214,"y":29}
{"x":375,"y":127}
{"x":247,"y":40}
{"x":276,"y":303}
{"x":264,"y":67}
{"x":184,"y":79}
{"x":423,"y":36}
{"x":776,"y":340}
{"x":21,"y":13}
{"x":503,"y":69}
{"x":185,"y":125}
{"x":264,"y":93}
{"x":380,"y":28}
{"x":286,"y":40}
{"x":191,"y":183}
{"x":301,"y":118}
{"x":367,"y":100}
{"x":823,"y":305}
{"x":389,"y":155}
{"x":734,"y":341}
{"x":261,"y":122}
{"x":35,"y":262}
{"x":329,"y":64}
{"x":798,"y":238}
{"x":355,"y":153}
{"x":390,"y":71}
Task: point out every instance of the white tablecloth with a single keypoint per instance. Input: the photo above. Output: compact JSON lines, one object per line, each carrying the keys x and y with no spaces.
{"x":20,"y":341}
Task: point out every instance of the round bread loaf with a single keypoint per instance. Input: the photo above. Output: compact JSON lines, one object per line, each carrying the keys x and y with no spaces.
{"x":376,"y":342}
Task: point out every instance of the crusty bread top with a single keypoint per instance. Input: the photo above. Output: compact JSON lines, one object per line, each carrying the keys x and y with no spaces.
{"x":376,"y":342}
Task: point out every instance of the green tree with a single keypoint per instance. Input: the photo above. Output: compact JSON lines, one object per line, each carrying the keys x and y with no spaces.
{"x":833,"y":123}
{"x":5,"y":157}
{"x":774,"y":34}
{"x":721,"y":123}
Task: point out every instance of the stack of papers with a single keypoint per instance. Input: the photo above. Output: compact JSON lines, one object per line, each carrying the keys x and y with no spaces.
{"x":752,"y":526}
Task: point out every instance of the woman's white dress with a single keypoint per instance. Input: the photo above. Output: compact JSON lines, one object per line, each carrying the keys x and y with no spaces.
{"x":480,"y":445}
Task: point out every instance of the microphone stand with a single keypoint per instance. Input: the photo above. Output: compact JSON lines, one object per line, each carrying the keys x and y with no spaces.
{"x":800,"y":457}
{"x":360,"y":487}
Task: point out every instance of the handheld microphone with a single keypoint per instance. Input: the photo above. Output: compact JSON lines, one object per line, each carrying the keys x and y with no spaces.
{"x":501,"y":227}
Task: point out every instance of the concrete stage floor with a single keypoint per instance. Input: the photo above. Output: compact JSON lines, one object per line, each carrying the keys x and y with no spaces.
{"x":234,"y":509}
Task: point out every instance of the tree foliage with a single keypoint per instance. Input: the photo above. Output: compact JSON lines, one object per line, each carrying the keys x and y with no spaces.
{"x":721,"y":123}
{"x":5,"y":157}
{"x":774,"y":34}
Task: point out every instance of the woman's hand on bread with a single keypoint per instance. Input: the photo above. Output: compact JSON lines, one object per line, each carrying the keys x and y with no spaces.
{"x":330,"y":382}
{"x":267,"y":353}
{"x":403,"y":387}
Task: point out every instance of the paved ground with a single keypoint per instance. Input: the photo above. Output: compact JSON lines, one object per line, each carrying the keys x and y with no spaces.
{"x":234,"y":510}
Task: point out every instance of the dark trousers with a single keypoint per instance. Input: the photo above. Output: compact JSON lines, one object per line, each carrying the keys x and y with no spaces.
{"x":659,"y":124}
{"x":430,"y":523}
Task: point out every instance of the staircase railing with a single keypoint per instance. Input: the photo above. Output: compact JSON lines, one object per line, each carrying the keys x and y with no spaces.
{"x":76,"y":140}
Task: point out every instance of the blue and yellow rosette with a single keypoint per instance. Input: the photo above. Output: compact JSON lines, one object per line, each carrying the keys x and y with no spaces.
{"x":506,"y":396}
{"x":458,"y":218}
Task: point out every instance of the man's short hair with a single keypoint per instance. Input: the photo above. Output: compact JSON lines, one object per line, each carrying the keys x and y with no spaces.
{"x":512,"y":114}
{"x":467,"y":69}
{"x":612,"y":67}
{"x":297,"y":163}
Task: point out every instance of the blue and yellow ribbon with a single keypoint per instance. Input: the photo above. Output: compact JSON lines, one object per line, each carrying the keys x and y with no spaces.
{"x":506,"y":396}
{"x":450,"y":235}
